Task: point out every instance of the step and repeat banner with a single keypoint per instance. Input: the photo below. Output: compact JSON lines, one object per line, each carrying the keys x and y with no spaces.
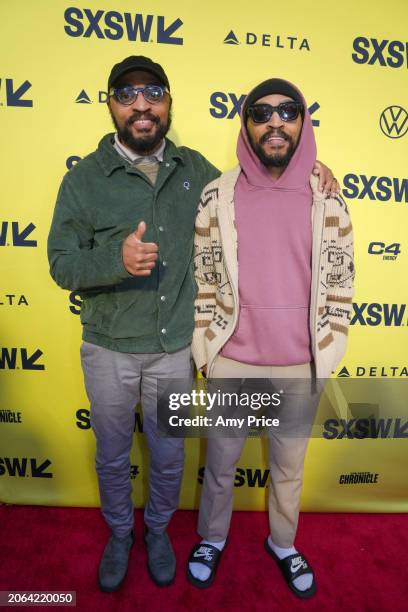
{"x":351,"y":61}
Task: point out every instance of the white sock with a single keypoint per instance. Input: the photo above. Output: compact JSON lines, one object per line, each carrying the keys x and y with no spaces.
{"x":200,"y":571}
{"x":302,"y":582}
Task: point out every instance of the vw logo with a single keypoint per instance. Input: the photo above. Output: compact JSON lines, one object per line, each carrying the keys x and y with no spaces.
{"x":394,"y":121}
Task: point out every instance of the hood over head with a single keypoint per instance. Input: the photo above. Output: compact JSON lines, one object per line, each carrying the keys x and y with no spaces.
{"x":297,"y":173}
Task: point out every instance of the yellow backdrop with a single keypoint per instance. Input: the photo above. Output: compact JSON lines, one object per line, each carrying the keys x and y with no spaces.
{"x":350,"y":60}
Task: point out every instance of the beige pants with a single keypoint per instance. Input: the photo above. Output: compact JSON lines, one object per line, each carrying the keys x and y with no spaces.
{"x":286,"y":457}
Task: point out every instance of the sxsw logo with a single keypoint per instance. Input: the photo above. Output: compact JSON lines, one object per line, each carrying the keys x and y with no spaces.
{"x":115,"y":25}
{"x":379,"y":314}
{"x":76,"y":303}
{"x":83,"y":97}
{"x":14,"y":93}
{"x":13,"y":234}
{"x":228,"y":105}
{"x":394,"y":121}
{"x":24,"y":466}
{"x":370,"y":51}
{"x":83,"y":420}
{"x":389,"y":252}
{"x":381,"y":188}
{"x":268,"y":40}
{"x":338,"y":429}
{"x":250,"y":477}
{"x":374,"y":372}
{"x":27,"y":360}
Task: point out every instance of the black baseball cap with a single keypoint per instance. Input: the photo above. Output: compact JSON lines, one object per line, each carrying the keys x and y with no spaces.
{"x":137,"y":62}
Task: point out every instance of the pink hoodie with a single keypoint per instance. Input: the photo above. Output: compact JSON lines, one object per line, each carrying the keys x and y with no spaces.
{"x":273,"y":221}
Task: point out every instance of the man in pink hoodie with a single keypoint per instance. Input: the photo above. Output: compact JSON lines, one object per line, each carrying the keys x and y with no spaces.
{"x":274,"y":269}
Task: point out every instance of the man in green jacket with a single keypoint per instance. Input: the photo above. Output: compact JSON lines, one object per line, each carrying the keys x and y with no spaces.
{"x":122,"y":236}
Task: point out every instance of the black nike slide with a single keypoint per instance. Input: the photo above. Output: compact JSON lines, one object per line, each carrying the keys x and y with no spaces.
{"x":292,"y":567}
{"x":208,"y":555}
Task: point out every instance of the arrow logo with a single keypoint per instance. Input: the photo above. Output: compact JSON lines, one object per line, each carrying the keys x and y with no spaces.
{"x":312,"y":109}
{"x":164,"y":35}
{"x":231,"y":39}
{"x":29,"y":363}
{"x":20,"y":238}
{"x":344,"y":373}
{"x":14,"y":95}
{"x":38,"y":471}
{"x":83,"y":98}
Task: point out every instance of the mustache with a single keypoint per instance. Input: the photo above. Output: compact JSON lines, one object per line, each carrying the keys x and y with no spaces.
{"x":138,"y":115}
{"x":274,"y":132}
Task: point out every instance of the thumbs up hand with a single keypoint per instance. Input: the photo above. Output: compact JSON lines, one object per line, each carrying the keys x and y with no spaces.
{"x":139,"y":258}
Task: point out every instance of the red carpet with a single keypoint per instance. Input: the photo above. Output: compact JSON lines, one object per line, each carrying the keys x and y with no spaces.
{"x":360,"y":561}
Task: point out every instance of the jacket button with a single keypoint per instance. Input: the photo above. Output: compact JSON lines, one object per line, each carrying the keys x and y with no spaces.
{"x":164,"y":330}
{"x":163,"y":298}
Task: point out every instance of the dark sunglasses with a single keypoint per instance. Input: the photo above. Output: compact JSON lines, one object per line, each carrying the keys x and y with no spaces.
{"x":128,"y":94}
{"x":287,"y":111}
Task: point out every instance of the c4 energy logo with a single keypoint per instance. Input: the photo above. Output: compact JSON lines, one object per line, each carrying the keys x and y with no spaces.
{"x":278,"y":41}
{"x":20,"y":359}
{"x":375,"y":188}
{"x":114,"y":25}
{"x":12,"y":234}
{"x":228,"y":105}
{"x":25,"y":466}
{"x":394,"y":121}
{"x":14,"y":93}
{"x":390,"y":315}
{"x":389,"y":252}
{"x":388,"y":53}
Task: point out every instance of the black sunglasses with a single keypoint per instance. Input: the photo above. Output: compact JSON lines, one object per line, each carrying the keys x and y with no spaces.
{"x":287,"y":111}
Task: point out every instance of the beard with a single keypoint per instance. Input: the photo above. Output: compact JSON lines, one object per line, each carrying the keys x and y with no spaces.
{"x":142,"y":145}
{"x":274,"y":160}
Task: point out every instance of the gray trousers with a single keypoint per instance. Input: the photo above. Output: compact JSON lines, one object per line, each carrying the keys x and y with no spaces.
{"x":115,"y":382}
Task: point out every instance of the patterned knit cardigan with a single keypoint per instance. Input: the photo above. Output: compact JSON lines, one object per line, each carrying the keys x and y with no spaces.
{"x":216,"y":273}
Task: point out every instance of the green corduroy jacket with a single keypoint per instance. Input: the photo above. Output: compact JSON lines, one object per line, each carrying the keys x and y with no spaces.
{"x":100,"y":202}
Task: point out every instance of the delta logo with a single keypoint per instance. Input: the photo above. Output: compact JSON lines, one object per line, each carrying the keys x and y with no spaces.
{"x":390,"y":315}
{"x":83,"y":97}
{"x":373,"y":371}
{"x":386,"y":53}
{"x":115,"y":25}
{"x":228,"y":105}
{"x":375,"y":188}
{"x":278,"y":41}
{"x":14,"y":93}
